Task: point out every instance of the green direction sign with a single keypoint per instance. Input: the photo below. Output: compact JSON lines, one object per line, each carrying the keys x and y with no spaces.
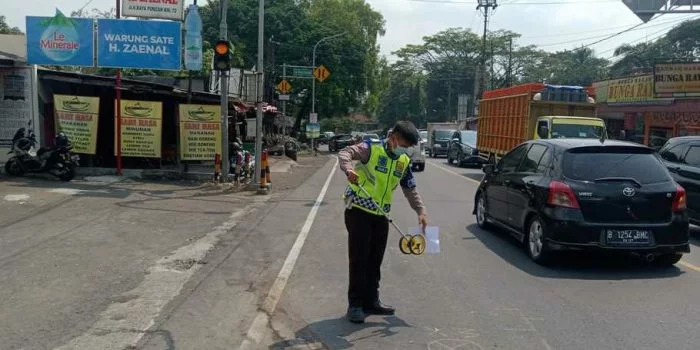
{"x":303,"y":72}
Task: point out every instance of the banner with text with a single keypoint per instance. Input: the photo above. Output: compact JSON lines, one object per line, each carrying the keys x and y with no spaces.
{"x":77,"y":117}
{"x":141,"y":128}
{"x":139,"y":44}
{"x":60,"y":41}
{"x":677,"y":79}
{"x":200,"y":132}
{"x":165,"y":9}
{"x":631,"y":90}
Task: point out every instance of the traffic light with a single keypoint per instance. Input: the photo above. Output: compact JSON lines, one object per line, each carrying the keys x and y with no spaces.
{"x":223,"y":55}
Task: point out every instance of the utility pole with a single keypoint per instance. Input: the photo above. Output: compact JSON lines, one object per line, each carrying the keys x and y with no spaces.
{"x":486,"y":5}
{"x":258,"y":105}
{"x":118,"y":97}
{"x":490,"y":85}
{"x":223,"y":87}
{"x":284,"y":103}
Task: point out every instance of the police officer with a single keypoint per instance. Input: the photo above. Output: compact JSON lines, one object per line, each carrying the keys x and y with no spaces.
{"x":381,"y":168}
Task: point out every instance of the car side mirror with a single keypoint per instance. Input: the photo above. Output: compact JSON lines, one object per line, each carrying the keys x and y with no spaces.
{"x":489,"y":169}
{"x":543,"y":132}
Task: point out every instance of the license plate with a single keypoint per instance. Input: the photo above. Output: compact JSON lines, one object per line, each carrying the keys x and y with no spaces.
{"x":627,"y":237}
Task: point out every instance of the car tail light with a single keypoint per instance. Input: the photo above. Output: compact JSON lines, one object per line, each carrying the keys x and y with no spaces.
{"x":680,"y":201}
{"x":561,"y":195}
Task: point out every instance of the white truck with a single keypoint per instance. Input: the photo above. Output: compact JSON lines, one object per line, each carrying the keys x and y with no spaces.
{"x":439,"y":135}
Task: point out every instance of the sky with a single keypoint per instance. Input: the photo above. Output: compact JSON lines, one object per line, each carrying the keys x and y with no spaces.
{"x":553,"y":25}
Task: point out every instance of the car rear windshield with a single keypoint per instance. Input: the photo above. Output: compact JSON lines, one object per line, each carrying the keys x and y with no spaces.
{"x":591,"y":163}
{"x":443,"y":134}
{"x":576,"y":131}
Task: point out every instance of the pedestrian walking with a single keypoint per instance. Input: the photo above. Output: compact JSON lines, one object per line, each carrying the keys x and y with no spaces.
{"x":380,"y":168}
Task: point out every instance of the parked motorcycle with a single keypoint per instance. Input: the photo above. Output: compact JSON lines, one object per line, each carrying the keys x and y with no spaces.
{"x":56,"y":160}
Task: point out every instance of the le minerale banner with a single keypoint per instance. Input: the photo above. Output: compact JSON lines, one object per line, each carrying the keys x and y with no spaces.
{"x":677,"y":79}
{"x":200,"y":132}
{"x":60,"y":41}
{"x":141,"y":131}
{"x":77,"y":117}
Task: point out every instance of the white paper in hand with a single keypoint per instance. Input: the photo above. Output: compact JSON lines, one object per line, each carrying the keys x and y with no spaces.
{"x":432,"y":238}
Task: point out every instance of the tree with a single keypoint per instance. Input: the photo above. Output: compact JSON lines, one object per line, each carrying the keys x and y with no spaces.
{"x":292,"y":28}
{"x":6,"y":29}
{"x":680,"y":43}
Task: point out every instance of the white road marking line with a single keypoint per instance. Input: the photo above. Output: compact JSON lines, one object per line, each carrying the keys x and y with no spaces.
{"x":257,"y":328}
{"x":124,"y":323}
{"x":16,"y":197}
{"x":454,"y":173}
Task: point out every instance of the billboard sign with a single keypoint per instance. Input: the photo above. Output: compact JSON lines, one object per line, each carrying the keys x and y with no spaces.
{"x":142,"y":127}
{"x":164,"y":9}
{"x":200,"y":131}
{"x":631,"y":90}
{"x":60,"y":41}
{"x":77,"y":117}
{"x":139,"y":44}
{"x":677,"y":79}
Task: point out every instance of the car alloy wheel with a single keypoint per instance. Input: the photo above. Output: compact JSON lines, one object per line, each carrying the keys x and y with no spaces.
{"x":481,"y":212}
{"x":535,"y":239}
{"x":536,"y":248}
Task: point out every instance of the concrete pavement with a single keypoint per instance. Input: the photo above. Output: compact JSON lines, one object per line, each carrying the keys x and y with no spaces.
{"x":98,"y":266}
{"x":482,"y":292}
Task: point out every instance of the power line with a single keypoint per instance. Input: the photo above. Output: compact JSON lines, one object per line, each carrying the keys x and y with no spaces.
{"x":520,"y":3}
{"x":673,"y":23}
{"x":602,"y":29}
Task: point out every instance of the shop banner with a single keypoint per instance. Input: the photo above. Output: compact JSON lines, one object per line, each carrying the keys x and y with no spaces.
{"x":631,"y":90}
{"x":677,"y":79}
{"x":16,"y":98}
{"x":200,"y":132}
{"x":77,"y":117}
{"x":141,"y":128}
{"x":60,"y":41}
{"x":139,"y":44}
{"x":164,"y":9}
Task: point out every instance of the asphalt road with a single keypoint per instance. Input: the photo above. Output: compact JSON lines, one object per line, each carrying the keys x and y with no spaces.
{"x":481,"y":291}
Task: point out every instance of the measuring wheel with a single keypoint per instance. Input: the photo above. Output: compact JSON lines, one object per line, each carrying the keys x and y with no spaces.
{"x":417,"y":244}
{"x":405,"y":245}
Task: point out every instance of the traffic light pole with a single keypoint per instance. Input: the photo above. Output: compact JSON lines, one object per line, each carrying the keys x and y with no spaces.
{"x":223,"y":83}
{"x":258,"y":105}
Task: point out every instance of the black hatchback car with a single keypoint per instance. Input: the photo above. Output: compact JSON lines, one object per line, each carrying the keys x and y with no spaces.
{"x":682,"y":158}
{"x":581,"y":194}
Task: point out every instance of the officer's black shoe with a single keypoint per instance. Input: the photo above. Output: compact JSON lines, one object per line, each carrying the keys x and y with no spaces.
{"x":377,"y":308}
{"x":356,"y":315}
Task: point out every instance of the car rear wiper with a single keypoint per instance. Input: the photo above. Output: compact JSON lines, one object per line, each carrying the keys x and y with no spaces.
{"x":620,"y":179}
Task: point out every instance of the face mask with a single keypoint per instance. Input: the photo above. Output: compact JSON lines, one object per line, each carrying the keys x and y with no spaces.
{"x":396,"y":150}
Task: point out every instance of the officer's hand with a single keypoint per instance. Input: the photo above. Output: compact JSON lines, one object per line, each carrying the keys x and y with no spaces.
{"x":423,"y":221}
{"x":352,"y":177}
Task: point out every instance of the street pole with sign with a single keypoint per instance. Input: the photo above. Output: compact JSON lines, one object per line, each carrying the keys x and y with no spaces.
{"x":225,"y":165}
{"x":313,"y":83}
{"x":260,"y":70}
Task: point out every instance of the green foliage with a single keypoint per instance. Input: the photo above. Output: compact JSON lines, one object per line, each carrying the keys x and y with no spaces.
{"x":292,"y":28}
{"x":682,"y":43}
{"x":6,"y":29}
{"x":338,"y":125}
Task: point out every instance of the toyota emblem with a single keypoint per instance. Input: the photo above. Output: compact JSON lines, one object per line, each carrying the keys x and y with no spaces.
{"x":629,"y":192}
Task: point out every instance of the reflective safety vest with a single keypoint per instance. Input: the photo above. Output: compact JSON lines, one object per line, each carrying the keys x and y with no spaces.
{"x":380,"y":177}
